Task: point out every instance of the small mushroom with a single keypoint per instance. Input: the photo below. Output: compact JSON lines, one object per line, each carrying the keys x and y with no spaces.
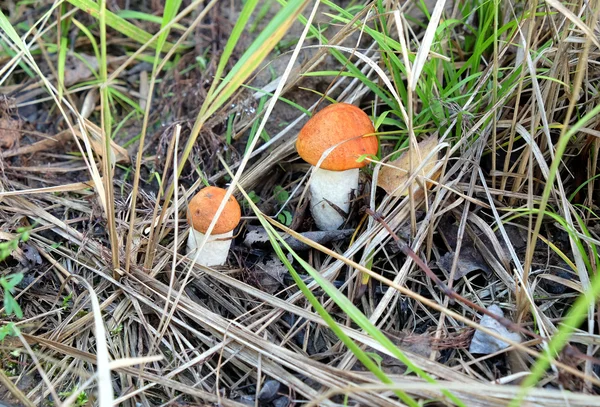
{"x":341,"y":125}
{"x":201,"y":211}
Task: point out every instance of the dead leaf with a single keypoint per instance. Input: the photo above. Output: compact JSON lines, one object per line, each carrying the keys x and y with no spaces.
{"x":9,"y":133}
{"x":269,"y":391}
{"x":77,"y":71}
{"x":269,"y":273}
{"x":96,"y":137}
{"x":469,"y":260}
{"x":420,"y":345}
{"x":48,"y":143}
{"x":31,"y":253}
{"x":394,"y":176}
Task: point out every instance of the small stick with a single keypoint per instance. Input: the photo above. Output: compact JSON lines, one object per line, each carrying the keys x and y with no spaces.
{"x":453,"y":295}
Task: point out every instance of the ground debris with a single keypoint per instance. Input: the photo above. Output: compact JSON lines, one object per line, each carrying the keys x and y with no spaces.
{"x":282,"y":401}
{"x":9,"y":133}
{"x":269,"y":273}
{"x":469,"y":260}
{"x":269,"y":391}
{"x":77,"y":70}
{"x":259,"y":239}
{"x":32,"y":254}
{"x":485,"y":344}
{"x":49,"y":143}
{"x":419,"y":344}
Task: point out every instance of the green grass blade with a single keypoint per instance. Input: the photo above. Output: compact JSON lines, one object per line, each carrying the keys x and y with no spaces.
{"x":138,"y":15}
{"x":119,"y":24}
{"x":251,"y":59}
{"x":234,"y":37}
{"x":62,"y":60}
{"x":106,"y":132}
{"x":116,"y":94}
{"x":578,"y":310}
{"x":89,"y":36}
{"x":256,"y":53}
{"x":9,"y":30}
{"x":575,"y":316}
{"x":170,"y":11}
{"x":171,"y":7}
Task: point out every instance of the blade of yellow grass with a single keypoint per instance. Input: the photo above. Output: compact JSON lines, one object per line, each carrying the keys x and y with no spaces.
{"x":171,"y":8}
{"x":155,"y":71}
{"x":77,"y":186}
{"x":248,"y":64}
{"x":427,"y":302}
{"x":114,"y":365}
{"x":105,"y":391}
{"x":568,"y":131}
{"x":107,"y":159}
{"x":14,"y":390}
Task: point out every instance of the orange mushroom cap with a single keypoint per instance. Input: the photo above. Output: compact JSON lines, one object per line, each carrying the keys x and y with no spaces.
{"x":203,"y":208}
{"x":332,"y":125}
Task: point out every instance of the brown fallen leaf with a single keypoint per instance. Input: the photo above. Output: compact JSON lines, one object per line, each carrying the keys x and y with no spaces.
{"x":94,"y":134}
{"x":269,"y":273}
{"x":76,"y":70}
{"x":48,"y":143}
{"x":469,"y":260}
{"x":96,"y":137}
{"x":9,"y":133}
{"x":393,"y":176}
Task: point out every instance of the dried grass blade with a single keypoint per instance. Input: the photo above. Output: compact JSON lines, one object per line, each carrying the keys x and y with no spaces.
{"x":25,"y":54}
{"x":77,"y":186}
{"x":14,"y":390}
{"x":107,"y":158}
{"x":286,"y":17}
{"x":575,"y":20}
{"x":425,"y":47}
{"x":344,"y":303}
{"x":105,"y":390}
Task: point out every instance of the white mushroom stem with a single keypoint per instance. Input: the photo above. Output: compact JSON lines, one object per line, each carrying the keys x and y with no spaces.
{"x":335,"y":187}
{"x":214,"y":252}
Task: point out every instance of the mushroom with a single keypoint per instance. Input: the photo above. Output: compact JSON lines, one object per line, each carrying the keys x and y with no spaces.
{"x":201,"y":211}
{"x":340,"y":126}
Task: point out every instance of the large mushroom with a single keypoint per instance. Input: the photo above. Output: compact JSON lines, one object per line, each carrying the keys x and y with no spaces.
{"x":201,"y":211}
{"x":350,"y":130}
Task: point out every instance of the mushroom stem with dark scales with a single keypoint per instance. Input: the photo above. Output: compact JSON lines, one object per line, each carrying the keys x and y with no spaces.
{"x":201,"y":211}
{"x":350,"y":130}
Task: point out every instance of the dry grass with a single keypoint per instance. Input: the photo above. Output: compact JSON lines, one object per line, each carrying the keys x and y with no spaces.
{"x":148,"y":326}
